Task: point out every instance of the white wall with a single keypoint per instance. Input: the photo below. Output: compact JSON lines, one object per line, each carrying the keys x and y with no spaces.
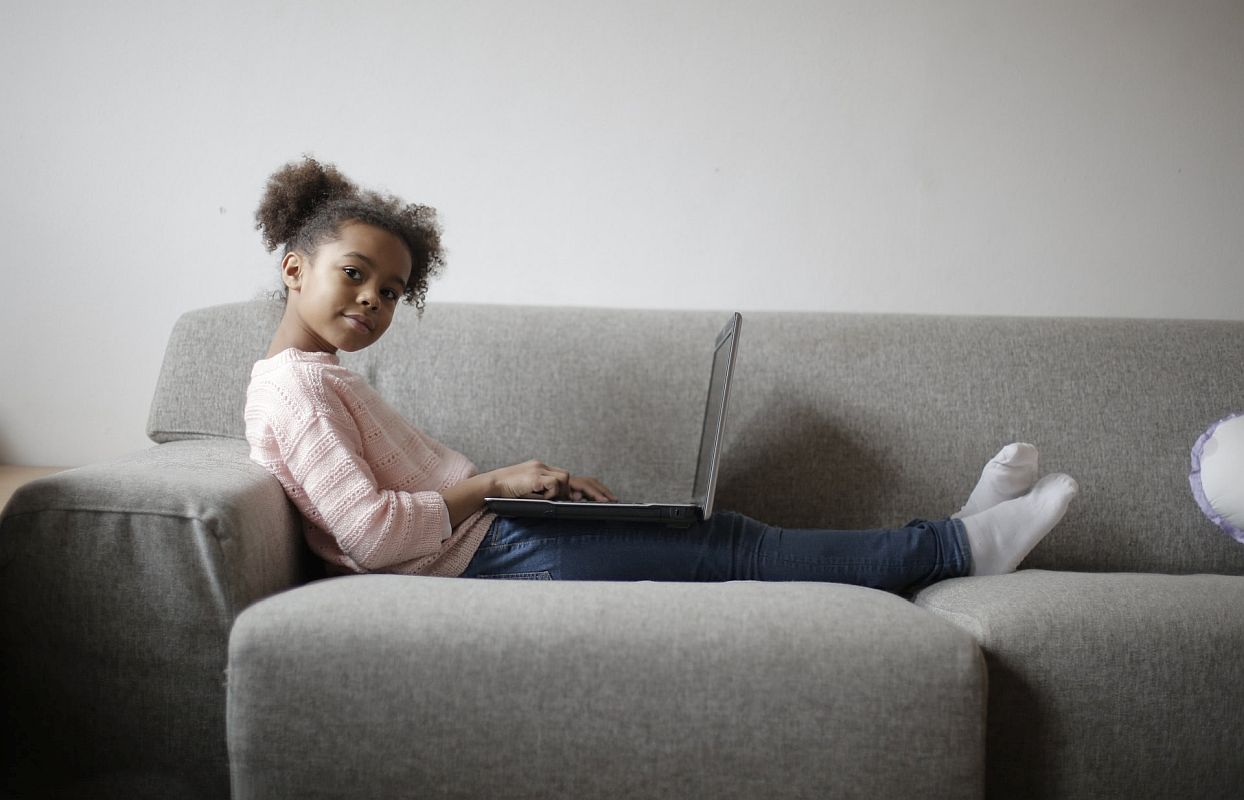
{"x":960,"y":156}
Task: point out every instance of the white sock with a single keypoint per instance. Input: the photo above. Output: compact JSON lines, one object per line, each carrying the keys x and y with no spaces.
{"x":1009,"y":474}
{"x":1000,"y":537}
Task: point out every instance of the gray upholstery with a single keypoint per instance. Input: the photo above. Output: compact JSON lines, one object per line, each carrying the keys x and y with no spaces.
{"x":121,"y":581}
{"x":840,"y":420}
{"x":201,"y":392}
{"x":1107,"y":685}
{"x":441,"y":687}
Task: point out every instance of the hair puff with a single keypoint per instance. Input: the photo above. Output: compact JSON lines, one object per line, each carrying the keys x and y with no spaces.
{"x":305,"y":204}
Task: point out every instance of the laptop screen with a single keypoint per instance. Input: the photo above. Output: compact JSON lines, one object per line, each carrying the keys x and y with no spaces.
{"x":715,"y":415}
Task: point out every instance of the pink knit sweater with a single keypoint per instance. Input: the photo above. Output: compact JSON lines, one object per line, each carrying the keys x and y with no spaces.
{"x":367,"y":482}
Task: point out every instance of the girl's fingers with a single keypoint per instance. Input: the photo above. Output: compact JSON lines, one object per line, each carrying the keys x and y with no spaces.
{"x":551,"y":482}
{"x":554,"y":483}
{"x":592,"y":488}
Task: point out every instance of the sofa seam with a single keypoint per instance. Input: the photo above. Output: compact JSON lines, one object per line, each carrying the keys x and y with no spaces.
{"x":94,"y":510}
{"x":977,"y":629}
{"x":190,"y":435}
{"x":224,"y":575}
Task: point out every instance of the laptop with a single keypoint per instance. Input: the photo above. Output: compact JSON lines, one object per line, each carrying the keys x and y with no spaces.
{"x":700,"y":506}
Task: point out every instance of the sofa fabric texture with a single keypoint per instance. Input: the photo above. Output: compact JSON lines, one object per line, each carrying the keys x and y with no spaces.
{"x":477,"y":688}
{"x":120,"y":582}
{"x":1111,"y":657}
{"x":838,"y":420}
{"x":1101,"y":685}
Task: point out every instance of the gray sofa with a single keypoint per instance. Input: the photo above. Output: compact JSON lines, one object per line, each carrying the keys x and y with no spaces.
{"x":165,"y":633}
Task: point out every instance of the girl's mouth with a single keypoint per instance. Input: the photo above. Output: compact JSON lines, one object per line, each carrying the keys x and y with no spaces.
{"x":358,"y":324}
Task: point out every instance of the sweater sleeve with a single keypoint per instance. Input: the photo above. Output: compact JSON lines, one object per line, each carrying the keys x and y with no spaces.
{"x":337,"y":491}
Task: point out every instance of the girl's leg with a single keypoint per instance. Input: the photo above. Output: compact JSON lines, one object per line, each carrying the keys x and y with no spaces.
{"x":1004,"y":519}
{"x":726,"y":547}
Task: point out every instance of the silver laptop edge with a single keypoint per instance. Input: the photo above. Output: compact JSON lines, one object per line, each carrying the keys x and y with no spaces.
{"x":704,"y":487}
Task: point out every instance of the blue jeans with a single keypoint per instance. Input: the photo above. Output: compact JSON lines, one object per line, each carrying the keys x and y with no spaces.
{"x":725,"y":547}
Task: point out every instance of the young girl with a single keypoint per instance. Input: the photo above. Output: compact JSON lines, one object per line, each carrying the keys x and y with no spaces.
{"x":379,"y":495}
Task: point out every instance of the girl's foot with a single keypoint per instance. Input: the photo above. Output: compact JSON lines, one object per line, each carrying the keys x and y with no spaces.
{"x":1010,"y":474}
{"x":1000,"y":537}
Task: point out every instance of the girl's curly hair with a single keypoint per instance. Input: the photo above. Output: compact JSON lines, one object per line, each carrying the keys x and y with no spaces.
{"x":306,"y":203}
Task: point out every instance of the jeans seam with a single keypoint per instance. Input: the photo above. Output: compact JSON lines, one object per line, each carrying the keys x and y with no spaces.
{"x":963,"y":553}
{"x":844,"y":562}
{"x":531,"y":575}
{"x":868,"y":568}
{"x":568,"y":537}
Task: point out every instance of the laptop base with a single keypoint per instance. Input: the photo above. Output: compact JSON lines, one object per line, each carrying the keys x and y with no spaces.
{"x":677,"y":516}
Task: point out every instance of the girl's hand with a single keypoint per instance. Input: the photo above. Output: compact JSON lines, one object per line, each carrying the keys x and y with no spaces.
{"x":592,"y":489}
{"x":537,"y":479}
{"x":530,"y":479}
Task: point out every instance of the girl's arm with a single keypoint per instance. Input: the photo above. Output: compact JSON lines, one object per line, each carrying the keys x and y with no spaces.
{"x":465,"y":498}
{"x":530,"y":479}
{"x":316,"y":459}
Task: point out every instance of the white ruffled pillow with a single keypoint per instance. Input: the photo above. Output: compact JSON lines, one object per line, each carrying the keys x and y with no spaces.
{"x":1217,"y":475}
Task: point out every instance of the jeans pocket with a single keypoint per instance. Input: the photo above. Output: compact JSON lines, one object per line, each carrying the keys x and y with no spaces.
{"x":521,"y":576}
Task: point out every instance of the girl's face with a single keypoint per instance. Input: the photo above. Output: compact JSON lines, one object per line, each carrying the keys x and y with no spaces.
{"x":344,"y":297}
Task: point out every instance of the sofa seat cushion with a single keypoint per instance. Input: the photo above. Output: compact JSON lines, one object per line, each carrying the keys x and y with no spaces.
{"x":386,"y":686}
{"x":1107,"y":685}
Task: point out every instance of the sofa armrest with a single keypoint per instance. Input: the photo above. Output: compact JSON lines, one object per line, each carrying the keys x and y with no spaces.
{"x":120,"y":582}
{"x":391,"y":686}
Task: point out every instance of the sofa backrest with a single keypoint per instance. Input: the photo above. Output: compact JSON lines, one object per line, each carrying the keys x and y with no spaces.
{"x":839,"y":420}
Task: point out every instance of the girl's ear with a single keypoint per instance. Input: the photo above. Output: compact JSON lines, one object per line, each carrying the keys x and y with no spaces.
{"x":292,"y":267}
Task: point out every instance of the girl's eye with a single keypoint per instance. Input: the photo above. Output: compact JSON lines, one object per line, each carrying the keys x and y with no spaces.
{"x":389,"y":294}
{"x":352,"y":272}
